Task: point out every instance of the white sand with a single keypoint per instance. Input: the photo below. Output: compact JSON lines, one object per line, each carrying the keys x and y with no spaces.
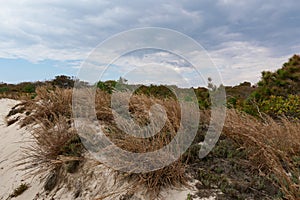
{"x":12,"y":138}
{"x":94,"y":180}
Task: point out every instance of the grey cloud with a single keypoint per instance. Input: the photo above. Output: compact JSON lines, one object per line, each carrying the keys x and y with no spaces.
{"x":68,"y":30}
{"x":60,"y":24}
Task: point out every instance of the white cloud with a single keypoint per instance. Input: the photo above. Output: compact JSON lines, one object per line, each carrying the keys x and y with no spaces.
{"x":243,"y":37}
{"x":149,"y":66}
{"x":243,"y":61}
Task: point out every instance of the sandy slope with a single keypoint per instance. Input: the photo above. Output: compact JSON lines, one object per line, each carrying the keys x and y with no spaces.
{"x":13,"y":139}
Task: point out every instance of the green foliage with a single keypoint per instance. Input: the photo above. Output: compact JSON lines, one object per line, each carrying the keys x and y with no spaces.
{"x":236,"y":95}
{"x":189,"y":196}
{"x":29,"y":88}
{"x":107,"y":86}
{"x":159,"y":91}
{"x":202,"y":95}
{"x":277,"y":92}
{"x":232,"y":102}
{"x":63,"y":81}
{"x":282,"y":82}
{"x":4,"y":89}
{"x":73,"y":147}
{"x":277,"y":105}
{"x":24,"y":89}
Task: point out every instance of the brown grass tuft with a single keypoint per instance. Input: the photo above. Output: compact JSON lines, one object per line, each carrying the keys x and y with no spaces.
{"x":55,"y":142}
{"x":51,"y":121}
{"x":271,"y":146}
{"x":153,"y":182}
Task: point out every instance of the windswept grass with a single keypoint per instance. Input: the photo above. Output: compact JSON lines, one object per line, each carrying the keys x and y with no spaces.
{"x":152,"y":182}
{"x":57,"y":143}
{"x":49,"y":104}
{"x":272,"y":147}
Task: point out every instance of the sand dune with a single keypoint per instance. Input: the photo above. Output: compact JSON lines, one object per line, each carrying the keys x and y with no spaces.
{"x":13,"y":139}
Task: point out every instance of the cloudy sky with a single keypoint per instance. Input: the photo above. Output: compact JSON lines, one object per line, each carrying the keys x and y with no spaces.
{"x":41,"y":39}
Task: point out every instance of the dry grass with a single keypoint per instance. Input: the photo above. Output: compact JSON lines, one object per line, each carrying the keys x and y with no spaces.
{"x":49,"y":104}
{"x":50,"y":141}
{"x":270,"y":146}
{"x":51,"y":119}
{"x":17,"y":95}
{"x":54,"y":141}
{"x":139,"y":107}
{"x":153,"y":182}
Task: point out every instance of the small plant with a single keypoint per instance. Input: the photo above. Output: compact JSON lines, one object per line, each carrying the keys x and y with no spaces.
{"x":189,"y":197}
{"x":19,"y":190}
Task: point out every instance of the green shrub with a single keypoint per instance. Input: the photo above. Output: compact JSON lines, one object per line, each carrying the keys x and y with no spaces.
{"x":277,"y":105}
{"x":282,"y":82}
{"x":63,"y":81}
{"x":277,"y":93}
{"x":107,"y":86}
{"x":29,"y":88}
{"x":4,"y":89}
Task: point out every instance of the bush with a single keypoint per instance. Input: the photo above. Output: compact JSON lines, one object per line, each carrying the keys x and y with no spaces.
{"x":29,"y":88}
{"x":277,"y":93}
{"x":107,"y":86}
{"x":4,"y":89}
{"x":63,"y":81}
{"x":282,"y":82}
{"x":277,"y":106}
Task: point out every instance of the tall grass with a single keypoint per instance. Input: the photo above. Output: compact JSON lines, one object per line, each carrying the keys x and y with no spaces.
{"x":152,"y":182}
{"x":54,"y":141}
{"x":51,"y":139}
{"x":272,"y":147}
{"x":49,"y":104}
{"x":50,"y":119}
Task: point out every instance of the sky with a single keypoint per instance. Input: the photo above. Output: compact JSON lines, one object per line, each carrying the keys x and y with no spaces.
{"x":45,"y":38}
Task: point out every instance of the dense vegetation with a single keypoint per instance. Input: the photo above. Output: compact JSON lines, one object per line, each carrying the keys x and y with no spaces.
{"x":26,"y":90}
{"x":277,"y":93}
{"x":257,"y":156}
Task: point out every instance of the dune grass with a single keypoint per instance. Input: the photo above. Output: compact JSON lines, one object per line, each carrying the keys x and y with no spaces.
{"x":50,"y":120}
{"x":271,"y":147}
